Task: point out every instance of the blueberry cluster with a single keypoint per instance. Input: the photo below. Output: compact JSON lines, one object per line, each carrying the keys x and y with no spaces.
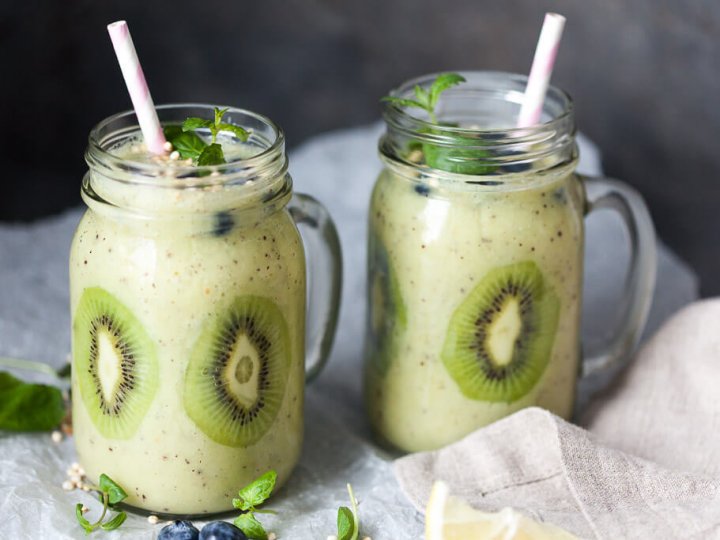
{"x":215,"y":530}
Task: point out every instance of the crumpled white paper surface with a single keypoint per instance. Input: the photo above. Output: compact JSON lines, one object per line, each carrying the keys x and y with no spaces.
{"x":338,"y":168}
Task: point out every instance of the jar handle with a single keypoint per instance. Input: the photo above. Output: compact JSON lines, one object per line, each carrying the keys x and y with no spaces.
{"x":324,"y":263}
{"x":640,"y":282}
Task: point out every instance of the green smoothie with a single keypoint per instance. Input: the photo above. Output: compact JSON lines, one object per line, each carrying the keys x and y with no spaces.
{"x":188,"y":308}
{"x":474,"y":300}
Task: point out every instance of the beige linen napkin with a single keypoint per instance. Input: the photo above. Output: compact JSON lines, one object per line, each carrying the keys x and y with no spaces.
{"x":649,"y":470}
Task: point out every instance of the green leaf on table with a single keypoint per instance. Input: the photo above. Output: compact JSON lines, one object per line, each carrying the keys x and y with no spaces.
{"x":84,"y":523}
{"x":348,"y":521}
{"x":252,"y":528}
{"x":256,"y":492}
{"x":115,"y":493}
{"x":211,"y":155}
{"x":29,"y":407}
{"x":115,"y":522}
{"x":345,"y":523}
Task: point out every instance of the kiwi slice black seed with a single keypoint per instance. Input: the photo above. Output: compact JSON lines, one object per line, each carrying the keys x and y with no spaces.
{"x":115,"y":364}
{"x":387,"y":315}
{"x":238,"y":370}
{"x":500,"y":339}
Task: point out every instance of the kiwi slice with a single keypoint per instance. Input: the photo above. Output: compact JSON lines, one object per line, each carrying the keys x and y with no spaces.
{"x":500,"y":338}
{"x":387,"y":316}
{"x":114,"y":362}
{"x":238,"y":370}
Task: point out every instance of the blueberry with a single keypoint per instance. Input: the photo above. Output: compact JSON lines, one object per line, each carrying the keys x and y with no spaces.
{"x":422,"y":189}
{"x":560,"y":196}
{"x":221,"y":530}
{"x":179,"y":530}
{"x":223,"y":223}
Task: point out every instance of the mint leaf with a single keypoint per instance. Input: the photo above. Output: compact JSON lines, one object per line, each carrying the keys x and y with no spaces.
{"x":196,"y":123}
{"x":348,"y":521}
{"x":81,"y":519}
{"x":423,"y":97}
{"x":345,"y":523}
{"x":219,"y":113}
{"x":256,"y":492}
{"x":442,"y":83}
{"x":171,"y":132}
{"x":252,"y":528}
{"x":211,"y":155}
{"x":29,"y":407}
{"x":115,"y":493}
{"x":239,"y":132}
{"x":189,"y":145}
{"x":115,"y":522}
{"x":457,"y":159}
{"x":427,"y":99}
{"x":402,"y":102}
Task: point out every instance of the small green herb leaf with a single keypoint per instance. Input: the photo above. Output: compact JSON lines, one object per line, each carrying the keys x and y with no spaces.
{"x":345,"y":523}
{"x":239,"y":132}
{"x":219,"y":113}
{"x":442,"y":83}
{"x":211,"y":155}
{"x":196,"y":123}
{"x":171,"y":132}
{"x":402,"y":102}
{"x":187,"y":143}
{"x":84,"y":523}
{"x":423,"y":97}
{"x":29,"y":407}
{"x":427,"y":99}
{"x":110,"y":494}
{"x":115,"y":493}
{"x":257,"y":491}
{"x":252,"y":528}
{"x":348,"y":521}
{"x":115,"y":522}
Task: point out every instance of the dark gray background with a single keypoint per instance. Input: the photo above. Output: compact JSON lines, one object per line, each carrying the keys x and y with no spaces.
{"x":645,"y":75}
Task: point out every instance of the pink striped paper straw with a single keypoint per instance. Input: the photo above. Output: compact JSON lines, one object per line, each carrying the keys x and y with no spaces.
{"x":541,"y":71}
{"x":137,"y":87}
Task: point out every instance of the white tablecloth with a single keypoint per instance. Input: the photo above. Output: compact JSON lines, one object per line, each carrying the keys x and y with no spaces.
{"x":338,"y":168}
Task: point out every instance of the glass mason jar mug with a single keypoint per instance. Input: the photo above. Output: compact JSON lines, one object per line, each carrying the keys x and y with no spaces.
{"x":475,"y":260}
{"x":188,"y":301}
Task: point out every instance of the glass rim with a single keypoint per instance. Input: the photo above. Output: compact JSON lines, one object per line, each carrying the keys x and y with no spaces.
{"x":392,"y":111}
{"x":142,"y":172}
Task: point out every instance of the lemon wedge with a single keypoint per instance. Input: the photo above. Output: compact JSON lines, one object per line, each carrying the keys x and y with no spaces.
{"x":450,"y":518}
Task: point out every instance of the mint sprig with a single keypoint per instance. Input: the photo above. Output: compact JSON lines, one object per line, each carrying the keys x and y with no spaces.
{"x":110,"y":495}
{"x":427,"y":99}
{"x":191,"y":146}
{"x":247,"y":501}
{"x":461,"y":156}
{"x":348,"y":521}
